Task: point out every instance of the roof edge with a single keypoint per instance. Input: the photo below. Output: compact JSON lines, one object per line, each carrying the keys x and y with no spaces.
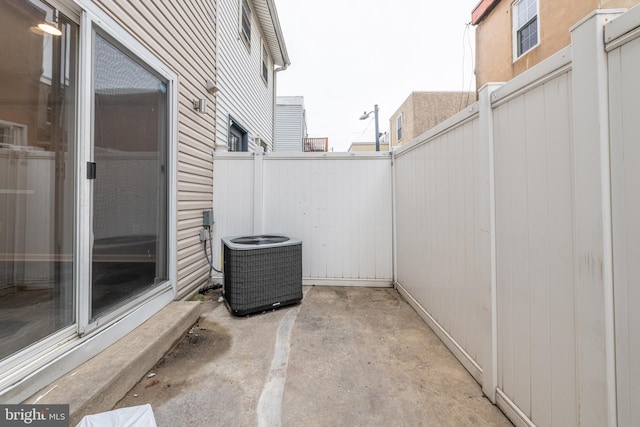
{"x":482,"y":9}
{"x":267,"y":15}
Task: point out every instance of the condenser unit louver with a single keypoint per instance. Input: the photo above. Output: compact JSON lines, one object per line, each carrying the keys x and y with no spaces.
{"x":261,"y":272}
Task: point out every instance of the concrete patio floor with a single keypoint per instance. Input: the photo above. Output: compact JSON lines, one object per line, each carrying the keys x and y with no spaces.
{"x":343,"y":357}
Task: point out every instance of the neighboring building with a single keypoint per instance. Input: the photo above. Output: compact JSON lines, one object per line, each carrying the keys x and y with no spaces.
{"x":107,"y":126}
{"x":383,"y":143}
{"x":512,"y":37}
{"x":291,"y":124}
{"x":423,"y":110}
{"x":251,"y":50}
{"x":367,"y":146}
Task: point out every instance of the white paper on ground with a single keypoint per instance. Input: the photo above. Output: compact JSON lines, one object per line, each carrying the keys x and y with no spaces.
{"x":134,"y":416}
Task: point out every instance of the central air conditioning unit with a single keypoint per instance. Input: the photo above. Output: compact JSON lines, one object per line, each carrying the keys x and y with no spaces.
{"x":261,"y":272}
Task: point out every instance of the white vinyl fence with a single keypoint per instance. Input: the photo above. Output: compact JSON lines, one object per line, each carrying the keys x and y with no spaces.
{"x":518,"y":232}
{"x":339,"y":205}
{"x":442,"y":232}
{"x":513,"y":228}
{"x":623,"y":46}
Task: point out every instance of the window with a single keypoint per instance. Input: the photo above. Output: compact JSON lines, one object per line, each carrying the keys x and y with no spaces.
{"x":130,"y":146}
{"x":265,"y":64}
{"x":525,"y":24}
{"x":245,"y":24}
{"x":399,"y":126}
{"x":238,"y":137}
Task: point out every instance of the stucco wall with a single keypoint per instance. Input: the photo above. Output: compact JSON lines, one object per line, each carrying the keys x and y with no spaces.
{"x":423,"y":110}
{"x":494,"y":39}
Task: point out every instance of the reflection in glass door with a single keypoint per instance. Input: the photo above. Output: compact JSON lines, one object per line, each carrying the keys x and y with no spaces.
{"x":37,"y":149}
{"x":130,"y":122}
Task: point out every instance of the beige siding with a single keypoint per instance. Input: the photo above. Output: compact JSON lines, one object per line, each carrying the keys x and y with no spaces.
{"x":182,"y":34}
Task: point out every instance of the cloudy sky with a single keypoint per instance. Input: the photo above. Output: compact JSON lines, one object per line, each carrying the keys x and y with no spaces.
{"x":348,"y":55}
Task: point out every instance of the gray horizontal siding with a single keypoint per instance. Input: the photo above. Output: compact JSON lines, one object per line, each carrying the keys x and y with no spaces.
{"x":243,"y":94}
{"x":289,"y":128}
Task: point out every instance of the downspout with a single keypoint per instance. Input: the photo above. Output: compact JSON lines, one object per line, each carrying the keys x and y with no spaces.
{"x":285,"y":60}
{"x":273,"y":116}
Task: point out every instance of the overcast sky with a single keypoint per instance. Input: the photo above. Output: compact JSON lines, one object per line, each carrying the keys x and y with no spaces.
{"x":348,"y":55}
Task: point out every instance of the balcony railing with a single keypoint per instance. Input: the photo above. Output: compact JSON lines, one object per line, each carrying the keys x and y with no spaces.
{"x":316,"y":144}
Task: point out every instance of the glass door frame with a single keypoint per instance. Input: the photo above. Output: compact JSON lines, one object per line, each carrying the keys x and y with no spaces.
{"x":92,"y":19}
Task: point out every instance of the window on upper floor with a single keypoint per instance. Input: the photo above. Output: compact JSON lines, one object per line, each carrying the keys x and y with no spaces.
{"x":265,"y":64}
{"x":399,"y":127}
{"x":245,"y":23}
{"x":525,"y":26}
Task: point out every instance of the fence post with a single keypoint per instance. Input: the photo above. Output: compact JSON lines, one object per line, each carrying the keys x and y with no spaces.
{"x":592,"y":263}
{"x":258,"y":191}
{"x":490,"y":363}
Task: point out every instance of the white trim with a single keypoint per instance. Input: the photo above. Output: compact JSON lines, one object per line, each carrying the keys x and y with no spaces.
{"x":68,"y":9}
{"x":84,"y":187}
{"x":459,"y":119}
{"x":463,"y":357}
{"x":38,"y":373}
{"x":17,"y":362}
{"x":558,"y":63}
{"x":316,"y":155}
{"x":512,"y":411}
{"x":622,"y":29}
{"x":369,"y":283}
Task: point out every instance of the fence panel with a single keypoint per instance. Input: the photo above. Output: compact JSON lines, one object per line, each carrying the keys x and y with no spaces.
{"x":339,"y":205}
{"x":624,"y":101}
{"x":534,"y":244}
{"x":442,"y":232}
{"x":233,"y":201}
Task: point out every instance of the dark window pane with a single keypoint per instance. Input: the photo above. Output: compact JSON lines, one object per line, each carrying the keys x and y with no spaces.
{"x":246,"y":21}
{"x":528,"y":37}
{"x":130,"y":191}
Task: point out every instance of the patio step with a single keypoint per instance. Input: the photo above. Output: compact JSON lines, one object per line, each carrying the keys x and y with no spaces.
{"x":97,"y":385}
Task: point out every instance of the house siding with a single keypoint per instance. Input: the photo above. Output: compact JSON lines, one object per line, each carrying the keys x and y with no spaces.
{"x":243,"y":93}
{"x":290,"y":126}
{"x":160,"y":25}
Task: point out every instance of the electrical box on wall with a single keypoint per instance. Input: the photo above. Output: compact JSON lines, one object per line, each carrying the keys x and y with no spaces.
{"x":207,"y":218}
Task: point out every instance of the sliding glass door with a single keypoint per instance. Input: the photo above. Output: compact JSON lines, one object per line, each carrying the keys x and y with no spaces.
{"x":87,"y":161}
{"x":130,"y":182}
{"x":37,"y":163}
